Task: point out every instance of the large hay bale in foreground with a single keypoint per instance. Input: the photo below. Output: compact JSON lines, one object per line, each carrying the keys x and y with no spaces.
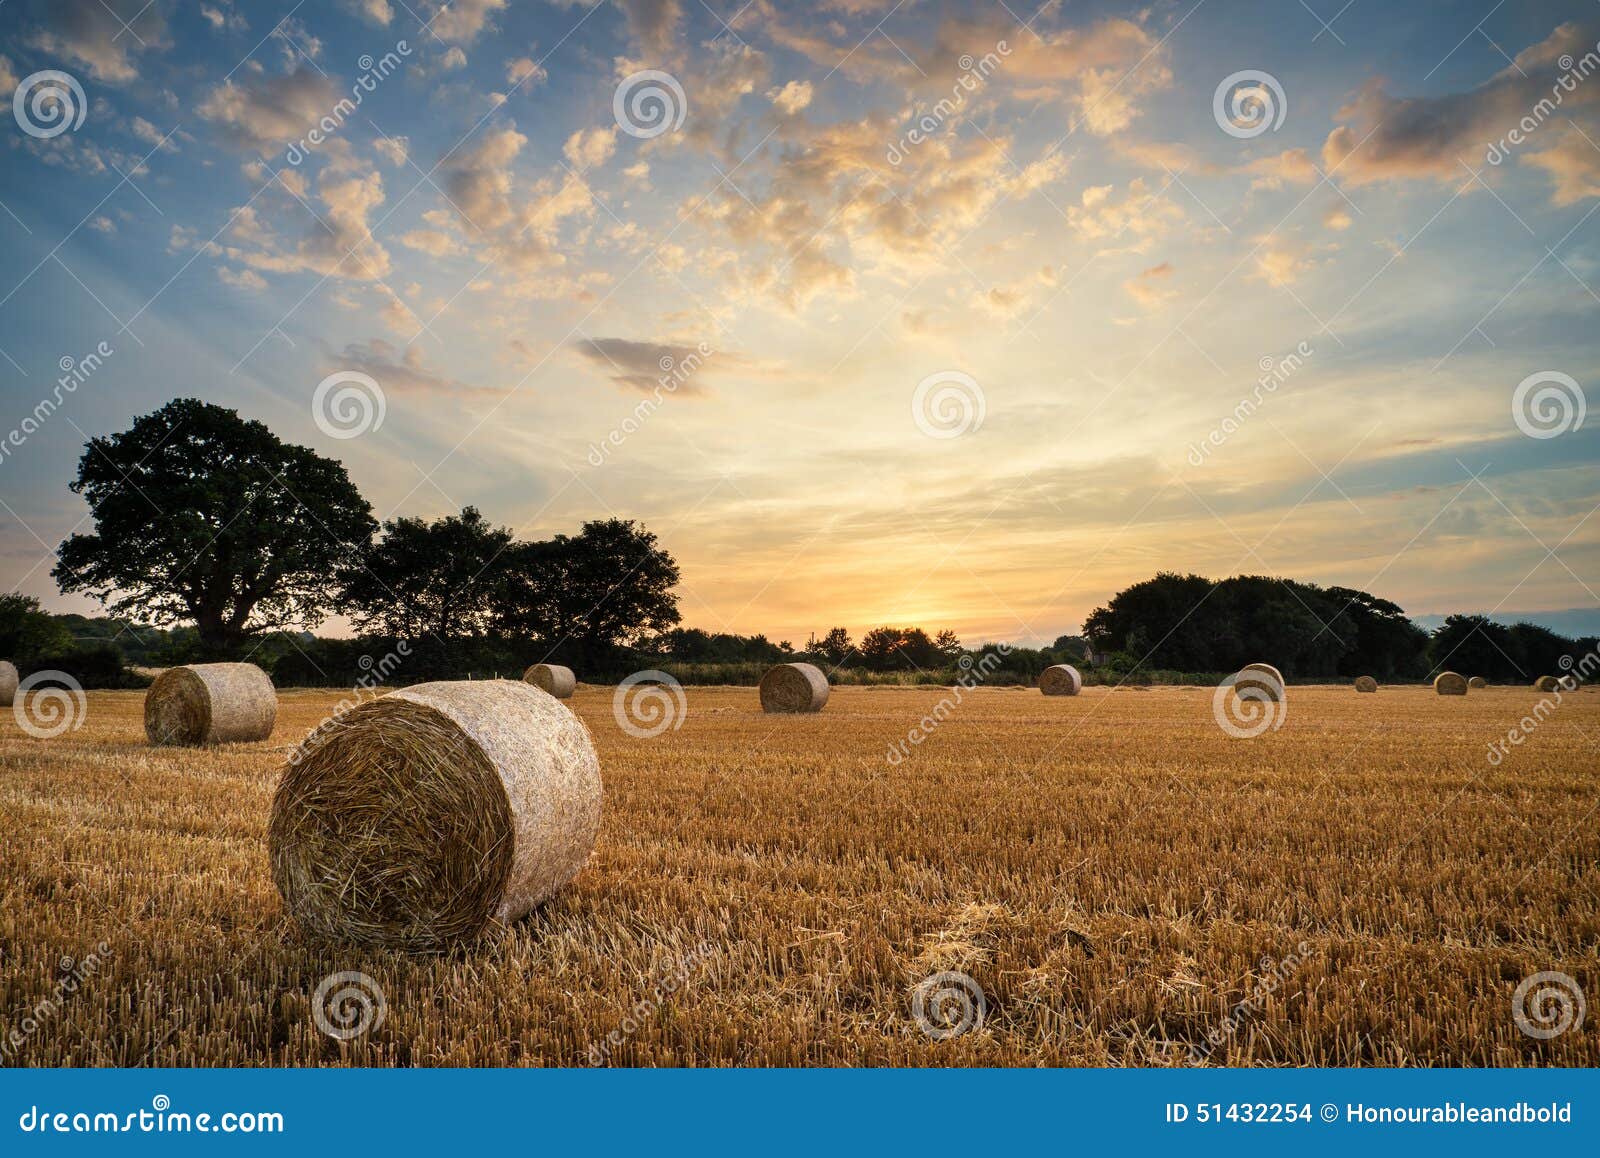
{"x":1448,"y":683}
{"x":1477,"y":682}
{"x":210,"y":703}
{"x":1547,"y":684}
{"x":1366,"y":684}
{"x":551,"y":677}
{"x":794,"y":687}
{"x":1259,"y":681}
{"x":1060,"y":679}
{"x":8,"y":682}
{"x":416,"y":819}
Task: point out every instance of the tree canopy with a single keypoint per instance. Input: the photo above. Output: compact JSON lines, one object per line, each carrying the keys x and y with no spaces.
{"x":203,"y":516}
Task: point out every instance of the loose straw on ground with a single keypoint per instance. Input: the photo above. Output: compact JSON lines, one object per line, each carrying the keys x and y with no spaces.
{"x":210,"y":703}
{"x":1060,"y":679}
{"x":1448,"y":683}
{"x":415,"y":820}
{"x":794,"y":687}
{"x":551,"y":677}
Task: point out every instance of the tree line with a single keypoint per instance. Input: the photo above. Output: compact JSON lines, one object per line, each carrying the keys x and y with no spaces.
{"x":1191,"y":623}
{"x":212,"y":538}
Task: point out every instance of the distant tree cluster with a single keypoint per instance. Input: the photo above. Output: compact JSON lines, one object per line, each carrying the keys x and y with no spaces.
{"x":1194,"y":624}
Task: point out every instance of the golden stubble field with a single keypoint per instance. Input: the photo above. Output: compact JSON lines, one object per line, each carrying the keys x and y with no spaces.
{"x":1123,"y":880}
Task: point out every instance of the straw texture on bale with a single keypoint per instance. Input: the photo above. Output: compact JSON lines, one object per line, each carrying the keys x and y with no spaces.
{"x":414,"y":820}
{"x":794,"y":687}
{"x":1547,"y":684}
{"x":1448,"y":683}
{"x":1366,"y":684}
{"x":1261,"y":681}
{"x":1060,"y":679}
{"x":210,"y":703}
{"x":1477,"y":682}
{"x":551,"y":677}
{"x":8,"y":682}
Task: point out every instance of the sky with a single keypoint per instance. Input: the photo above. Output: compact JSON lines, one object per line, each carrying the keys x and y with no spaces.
{"x":959,"y":315}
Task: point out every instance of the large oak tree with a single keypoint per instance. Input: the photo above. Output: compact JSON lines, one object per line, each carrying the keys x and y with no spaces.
{"x":206,"y":517}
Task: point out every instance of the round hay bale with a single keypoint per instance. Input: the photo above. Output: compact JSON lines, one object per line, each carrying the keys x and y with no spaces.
{"x":1366,"y":684}
{"x":1060,"y":679}
{"x":1547,"y":684}
{"x":1477,"y":682}
{"x":551,"y":677}
{"x":794,"y":687}
{"x":414,"y":820}
{"x":8,"y":682}
{"x":1448,"y":683}
{"x":1260,"y":681}
{"x":210,"y":703}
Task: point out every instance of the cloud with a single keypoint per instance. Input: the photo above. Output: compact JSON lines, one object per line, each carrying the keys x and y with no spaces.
{"x":395,"y":150}
{"x":400,"y":371}
{"x":1140,"y":213}
{"x":461,"y":21}
{"x":588,"y":148}
{"x":1281,"y":261}
{"x":1151,"y":287}
{"x":377,"y":12}
{"x":247,"y":279}
{"x":1386,"y":137}
{"x":1290,"y":167}
{"x":525,"y":69}
{"x":642,"y":366}
{"x":90,"y":32}
{"x":103,"y":224}
{"x":267,"y":113}
{"x":335,"y":241}
{"x":792,"y":97}
{"x":654,"y":23}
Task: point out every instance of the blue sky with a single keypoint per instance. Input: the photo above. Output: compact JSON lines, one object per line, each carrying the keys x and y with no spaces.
{"x":1064,"y":219}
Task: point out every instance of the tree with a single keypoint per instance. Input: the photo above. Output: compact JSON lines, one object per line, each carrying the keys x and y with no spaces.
{"x":445,"y":579}
{"x":206,"y":517}
{"x":834,"y":648}
{"x":27,"y":632}
{"x":1476,"y":645}
{"x":948,"y":645}
{"x":609,"y":584}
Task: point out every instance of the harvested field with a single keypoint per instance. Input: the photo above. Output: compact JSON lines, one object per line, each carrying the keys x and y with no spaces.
{"x":1361,"y":887}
